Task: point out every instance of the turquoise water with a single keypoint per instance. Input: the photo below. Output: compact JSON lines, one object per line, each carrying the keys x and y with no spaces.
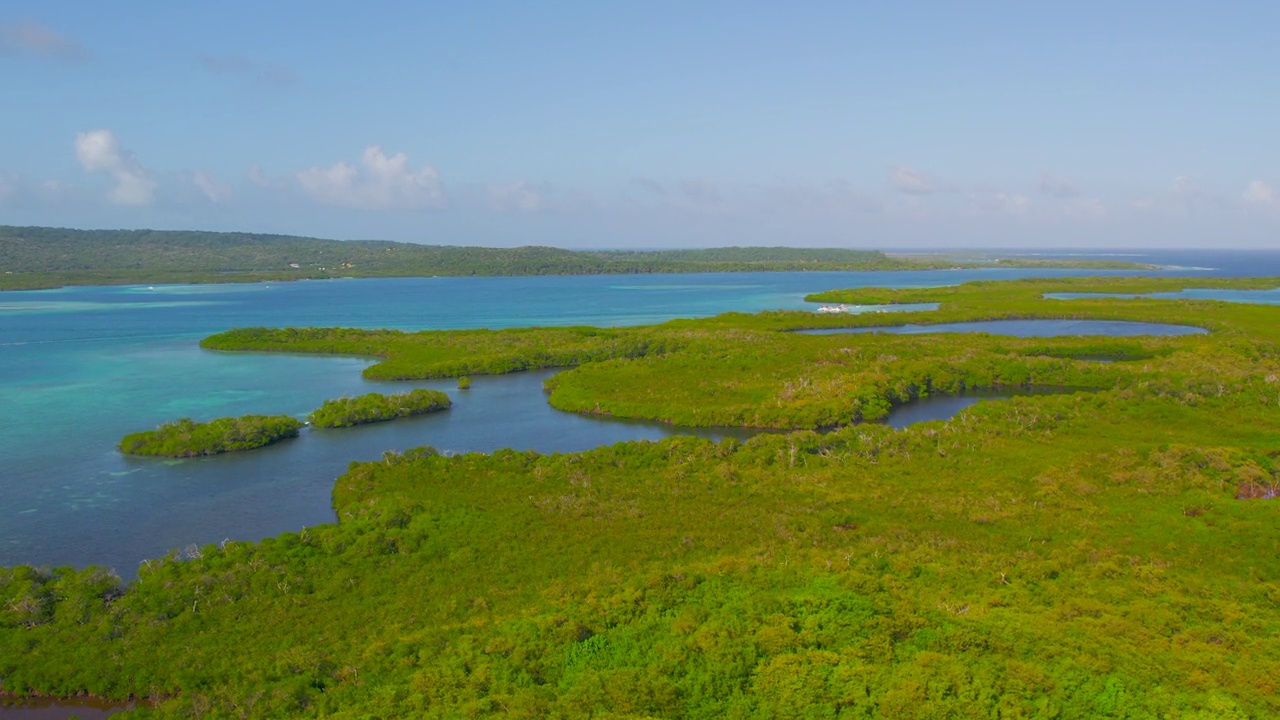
{"x":80,"y":367}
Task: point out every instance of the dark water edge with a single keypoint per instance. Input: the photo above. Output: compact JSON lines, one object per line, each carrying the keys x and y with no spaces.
{"x":169,"y":504}
{"x":939,"y":406}
{"x":61,"y":708}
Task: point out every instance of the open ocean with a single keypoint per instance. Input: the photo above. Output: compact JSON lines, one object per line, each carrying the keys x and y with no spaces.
{"x":80,"y":367}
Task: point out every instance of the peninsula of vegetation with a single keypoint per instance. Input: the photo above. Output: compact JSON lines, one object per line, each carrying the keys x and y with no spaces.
{"x":39,"y":257}
{"x":375,"y":407}
{"x":1110,"y":554}
{"x":186,"y":438}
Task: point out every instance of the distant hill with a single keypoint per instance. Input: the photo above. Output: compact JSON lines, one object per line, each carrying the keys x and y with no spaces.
{"x":35,"y":257}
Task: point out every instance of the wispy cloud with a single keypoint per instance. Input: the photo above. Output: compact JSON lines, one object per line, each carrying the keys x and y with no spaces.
{"x":647,"y":185}
{"x":688,"y":194}
{"x":1057,"y":186}
{"x":701,"y":194}
{"x":1085,"y":208}
{"x":213,"y":189}
{"x":1008,"y":204}
{"x":909,"y":180}
{"x":836,"y":196}
{"x":132,"y":184}
{"x":518,"y":196}
{"x":246,"y":68}
{"x":380,"y":182}
{"x":31,"y":39}
{"x":1260,"y":194}
{"x":1192,"y":197}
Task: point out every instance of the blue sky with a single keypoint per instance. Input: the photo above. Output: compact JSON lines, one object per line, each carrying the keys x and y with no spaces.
{"x":591,"y":124}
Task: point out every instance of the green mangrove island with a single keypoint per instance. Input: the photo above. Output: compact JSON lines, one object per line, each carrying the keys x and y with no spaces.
{"x":42,"y":257}
{"x":1110,"y":554}
{"x":375,"y":407}
{"x":186,"y":438}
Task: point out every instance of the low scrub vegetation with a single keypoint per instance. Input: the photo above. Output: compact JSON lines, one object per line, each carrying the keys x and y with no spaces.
{"x":1106,"y":554}
{"x":186,"y":438}
{"x":374,"y":407}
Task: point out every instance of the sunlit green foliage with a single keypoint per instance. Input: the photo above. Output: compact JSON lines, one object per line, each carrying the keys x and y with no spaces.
{"x":187,"y":438}
{"x":375,"y":407}
{"x":1108,"y":554}
{"x":451,"y":353}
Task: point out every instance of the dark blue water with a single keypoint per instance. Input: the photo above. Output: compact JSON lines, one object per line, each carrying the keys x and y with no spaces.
{"x":80,"y":367}
{"x":1027,"y":328}
{"x":941,"y":406}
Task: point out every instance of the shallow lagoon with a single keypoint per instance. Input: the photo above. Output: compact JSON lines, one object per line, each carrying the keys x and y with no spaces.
{"x":79,"y":367}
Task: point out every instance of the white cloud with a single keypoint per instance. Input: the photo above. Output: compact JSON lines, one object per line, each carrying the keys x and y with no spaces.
{"x":380,"y":183}
{"x":1182,"y":185}
{"x":1057,"y":186}
{"x":1260,"y":193}
{"x":911,"y":181}
{"x":8,"y":184}
{"x":518,"y":196}
{"x":99,"y":151}
{"x":33,"y":39}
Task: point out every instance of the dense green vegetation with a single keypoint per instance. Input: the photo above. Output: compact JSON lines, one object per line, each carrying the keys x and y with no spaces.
{"x":375,"y":407}
{"x":186,"y":438}
{"x":37,"y":257}
{"x":1112,"y":554}
{"x":450,"y":353}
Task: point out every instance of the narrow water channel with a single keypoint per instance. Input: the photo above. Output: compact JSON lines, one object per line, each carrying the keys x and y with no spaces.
{"x":940,"y":406}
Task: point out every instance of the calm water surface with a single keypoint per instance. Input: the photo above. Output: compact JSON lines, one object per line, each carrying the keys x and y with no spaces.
{"x":940,"y":406}
{"x":79,"y":367}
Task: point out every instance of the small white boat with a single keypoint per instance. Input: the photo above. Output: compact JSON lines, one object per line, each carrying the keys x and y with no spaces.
{"x":833,"y":309}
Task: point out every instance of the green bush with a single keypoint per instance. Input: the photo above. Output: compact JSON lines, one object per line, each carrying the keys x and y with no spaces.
{"x":371,"y":408}
{"x":187,"y":438}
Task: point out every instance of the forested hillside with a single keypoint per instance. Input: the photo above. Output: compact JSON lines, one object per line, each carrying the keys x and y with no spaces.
{"x":34,"y":257}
